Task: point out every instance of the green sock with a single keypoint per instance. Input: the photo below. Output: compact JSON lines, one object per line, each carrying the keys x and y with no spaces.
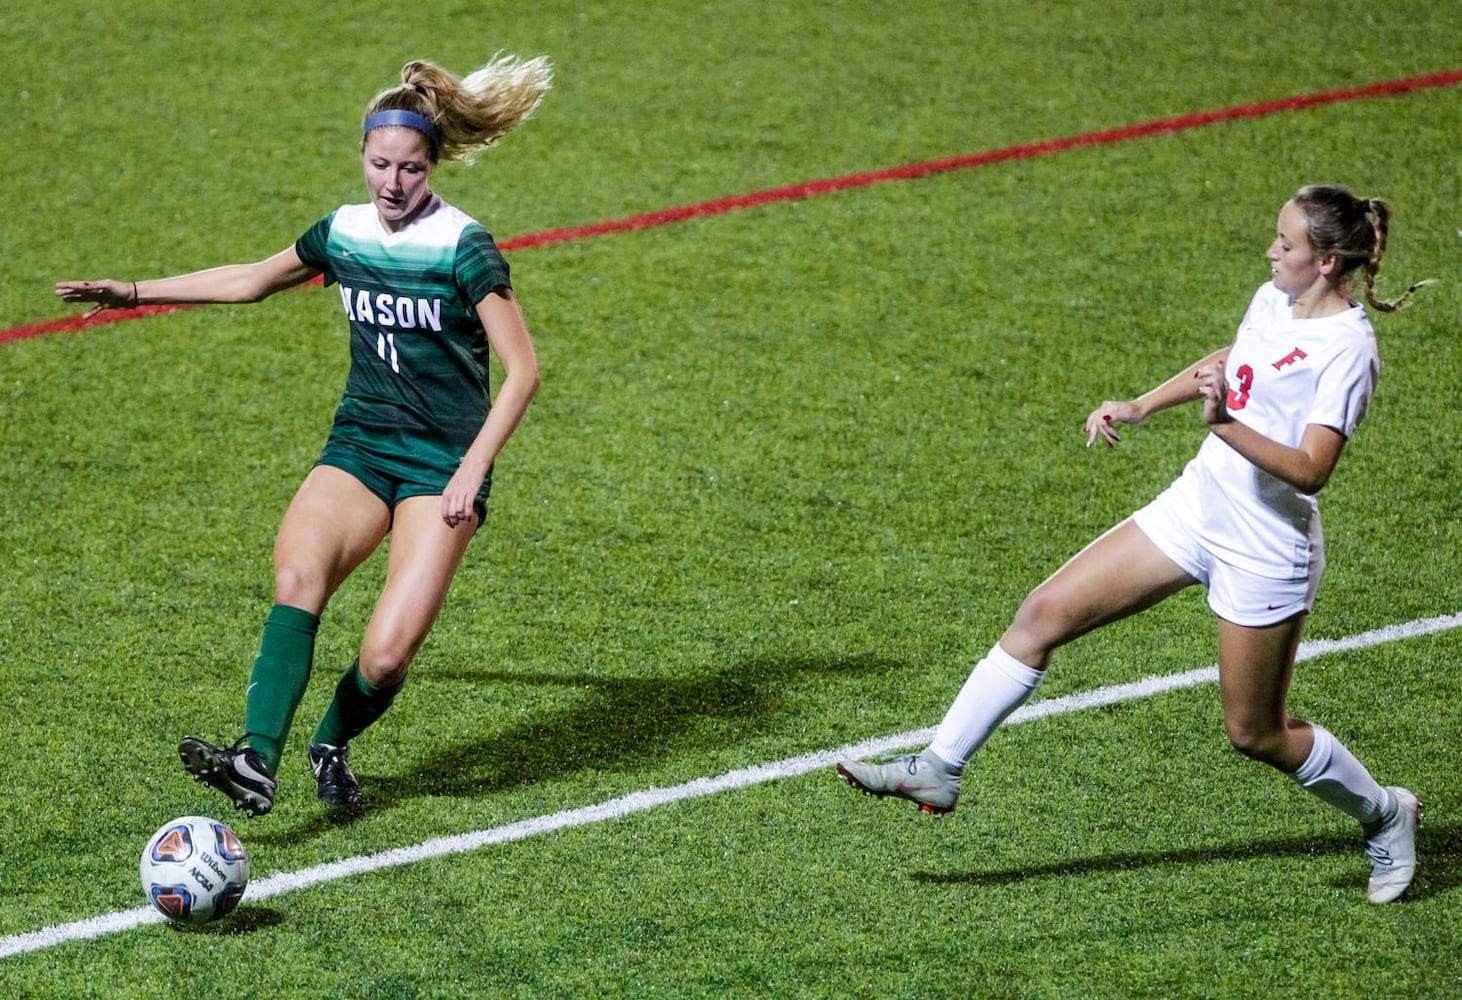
{"x":357,"y":703}
{"x":277,"y":683}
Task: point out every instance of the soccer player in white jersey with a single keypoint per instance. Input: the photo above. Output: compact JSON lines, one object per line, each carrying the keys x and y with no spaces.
{"x":427,"y":295}
{"x":1241,"y":520}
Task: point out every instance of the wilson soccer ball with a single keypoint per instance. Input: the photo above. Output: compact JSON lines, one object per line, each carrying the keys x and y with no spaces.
{"x":194,"y":869}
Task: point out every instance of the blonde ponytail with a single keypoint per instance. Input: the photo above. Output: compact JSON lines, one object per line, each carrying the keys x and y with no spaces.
{"x":473,"y":113}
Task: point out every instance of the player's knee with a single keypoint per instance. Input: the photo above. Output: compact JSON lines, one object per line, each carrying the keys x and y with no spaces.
{"x":383,"y":663}
{"x":1256,"y":740}
{"x":298,"y":587}
{"x":1040,"y":625}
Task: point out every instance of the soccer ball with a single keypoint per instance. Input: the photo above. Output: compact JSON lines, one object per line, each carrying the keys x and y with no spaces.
{"x":194,"y":869}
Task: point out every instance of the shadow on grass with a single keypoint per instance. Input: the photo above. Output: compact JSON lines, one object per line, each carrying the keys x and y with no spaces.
{"x":617,"y":723}
{"x":1439,"y":851}
{"x":245,"y":920}
{"x":321,"y":822}
{"x":621,"y":722}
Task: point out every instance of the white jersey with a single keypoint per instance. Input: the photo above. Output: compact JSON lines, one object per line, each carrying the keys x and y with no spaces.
{"x":1283,"y":375}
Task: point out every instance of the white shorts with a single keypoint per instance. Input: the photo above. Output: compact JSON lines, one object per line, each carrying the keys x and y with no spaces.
{"x":1234,"y":594}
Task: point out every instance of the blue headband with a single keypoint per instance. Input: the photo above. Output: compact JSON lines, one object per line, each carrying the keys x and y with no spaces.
{"x":410,"y":119}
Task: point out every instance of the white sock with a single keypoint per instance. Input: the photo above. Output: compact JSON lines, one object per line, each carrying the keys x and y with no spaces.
{"x":997,"y":686}
{"x":1332,"y":774}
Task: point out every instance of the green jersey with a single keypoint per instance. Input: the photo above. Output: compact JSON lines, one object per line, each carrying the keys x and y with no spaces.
{"x":418,"y":384}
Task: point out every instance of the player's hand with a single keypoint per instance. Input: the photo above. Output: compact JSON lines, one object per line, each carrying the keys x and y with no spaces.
{"x":1102,"y":421}
{"x":460,"y":496}
{"x":107,"y":294}
{"x":1214,"y":390}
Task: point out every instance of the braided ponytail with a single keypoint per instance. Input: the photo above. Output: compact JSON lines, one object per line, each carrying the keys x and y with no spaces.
{"x":1354,"y":231}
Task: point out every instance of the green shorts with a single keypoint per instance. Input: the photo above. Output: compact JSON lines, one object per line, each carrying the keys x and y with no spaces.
{"x":394,"y":478}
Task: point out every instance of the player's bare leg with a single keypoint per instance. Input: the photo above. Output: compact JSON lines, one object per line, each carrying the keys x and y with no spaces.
{"x":1255,"y":667}
{"x":1119,"y":574}
{"x":332,"y":524}
{"x":1116,"y":576}
{"x":425,"y":553}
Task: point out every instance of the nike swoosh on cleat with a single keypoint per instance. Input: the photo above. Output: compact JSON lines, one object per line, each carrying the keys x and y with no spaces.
{"x":243,"y":768}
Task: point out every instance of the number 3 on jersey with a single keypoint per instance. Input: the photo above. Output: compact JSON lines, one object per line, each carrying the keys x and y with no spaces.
{"x":1239,"y":398}
{"x":386,"y":348}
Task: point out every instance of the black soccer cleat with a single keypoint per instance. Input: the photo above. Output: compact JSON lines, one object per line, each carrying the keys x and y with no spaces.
{"x":335,"y":783}
{"x":237,"y":772}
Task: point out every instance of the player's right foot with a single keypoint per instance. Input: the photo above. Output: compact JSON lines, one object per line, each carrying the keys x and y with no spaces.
{"x":911,"y":776}
{"x":1392,"y":850}
{"x":237,"y":772}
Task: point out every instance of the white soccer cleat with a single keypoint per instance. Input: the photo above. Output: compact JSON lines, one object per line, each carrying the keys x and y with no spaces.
{"x":909,"y":776}
{"x":1392,"y":850}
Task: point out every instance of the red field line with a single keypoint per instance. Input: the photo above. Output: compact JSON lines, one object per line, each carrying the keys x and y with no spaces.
{"x":809,"y":189}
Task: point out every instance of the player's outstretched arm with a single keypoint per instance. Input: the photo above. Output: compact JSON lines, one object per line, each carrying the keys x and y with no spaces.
{"x":1181,"y":388}
{"x":230,"y":283}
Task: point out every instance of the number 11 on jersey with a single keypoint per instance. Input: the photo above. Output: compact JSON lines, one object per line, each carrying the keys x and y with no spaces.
{"x":386,"y":342}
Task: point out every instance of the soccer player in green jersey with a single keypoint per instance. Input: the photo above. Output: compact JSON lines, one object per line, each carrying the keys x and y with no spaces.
{"x":427,"y":296}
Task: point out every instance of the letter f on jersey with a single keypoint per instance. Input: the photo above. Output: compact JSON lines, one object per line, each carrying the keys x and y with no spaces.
{"x":1290,"y":358}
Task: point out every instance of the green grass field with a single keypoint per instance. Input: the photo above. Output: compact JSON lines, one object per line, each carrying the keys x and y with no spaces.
{"x":790,"y":472}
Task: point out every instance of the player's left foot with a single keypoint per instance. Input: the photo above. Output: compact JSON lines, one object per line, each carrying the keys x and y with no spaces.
{"x":334,"y":780}
{"x":1392,"y":850}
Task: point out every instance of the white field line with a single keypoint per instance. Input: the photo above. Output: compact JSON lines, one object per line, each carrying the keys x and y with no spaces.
{"x":651,"y":798}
